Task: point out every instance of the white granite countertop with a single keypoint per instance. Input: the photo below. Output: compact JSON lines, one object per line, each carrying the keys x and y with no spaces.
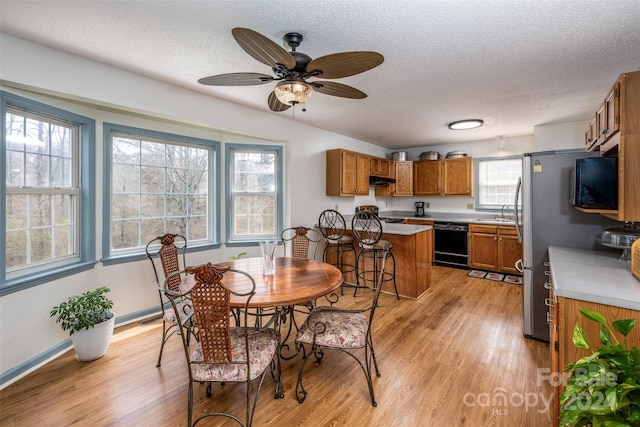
{"x":594,"y":276}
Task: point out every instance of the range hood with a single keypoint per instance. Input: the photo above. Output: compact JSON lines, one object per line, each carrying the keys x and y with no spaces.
{"x":380,"y":181}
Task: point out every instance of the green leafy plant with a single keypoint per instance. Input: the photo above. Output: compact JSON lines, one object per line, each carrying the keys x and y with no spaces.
{"x":604,"y":388}
{"x":83,"y":311}
{"x":240,"y":255}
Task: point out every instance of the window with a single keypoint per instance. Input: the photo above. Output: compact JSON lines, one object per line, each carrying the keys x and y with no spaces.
{"x":497,"y":179}
{"x":254,"y":192}
{"x":47,"y":206}
{"x":159,"y":183}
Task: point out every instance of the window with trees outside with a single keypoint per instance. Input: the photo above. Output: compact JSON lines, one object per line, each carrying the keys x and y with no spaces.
{"x":159,"y":183}
{"x":46,"y":207}
{"x":497,"y":179}
{"x":254,"y":192}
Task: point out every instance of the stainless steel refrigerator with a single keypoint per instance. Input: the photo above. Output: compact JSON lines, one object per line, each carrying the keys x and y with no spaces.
{"x":549,"y":220}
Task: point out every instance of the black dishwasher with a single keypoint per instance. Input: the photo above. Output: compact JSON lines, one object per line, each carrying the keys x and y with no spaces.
{"x":451,"y":244}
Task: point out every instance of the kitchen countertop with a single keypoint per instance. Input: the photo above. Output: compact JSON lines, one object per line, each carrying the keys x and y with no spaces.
{"x":594,"y":276}
{"x":456,"y":217}
{"x":394,"y":228}
{"x":408,"y":229}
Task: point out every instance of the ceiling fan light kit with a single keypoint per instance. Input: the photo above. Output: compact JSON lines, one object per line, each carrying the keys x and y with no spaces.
{"x":292,"y":69}
{"x":466,"y":124}
{"x":292,"y":92}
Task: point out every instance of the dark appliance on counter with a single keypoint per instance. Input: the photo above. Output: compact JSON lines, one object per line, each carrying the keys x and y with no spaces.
{"x":451,"y":244}
{"x":548,"y":219}
{"x":420,"y":209}
{"x":594,"y":183}
{"x":375,"y":211}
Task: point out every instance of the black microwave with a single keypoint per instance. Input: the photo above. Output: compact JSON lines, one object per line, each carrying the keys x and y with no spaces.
{"x":594,"y":183}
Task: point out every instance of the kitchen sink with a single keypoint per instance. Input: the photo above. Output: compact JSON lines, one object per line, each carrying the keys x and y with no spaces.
{"x":496,"y":219}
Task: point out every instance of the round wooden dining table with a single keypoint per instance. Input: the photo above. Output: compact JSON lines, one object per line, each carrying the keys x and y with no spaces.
{"x":296,"y":281}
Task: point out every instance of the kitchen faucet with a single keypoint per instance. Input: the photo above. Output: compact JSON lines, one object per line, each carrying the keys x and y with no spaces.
{"x":502,"y":210}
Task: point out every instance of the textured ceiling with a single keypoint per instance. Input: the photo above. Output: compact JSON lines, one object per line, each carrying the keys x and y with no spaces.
{"x":515,"y":64}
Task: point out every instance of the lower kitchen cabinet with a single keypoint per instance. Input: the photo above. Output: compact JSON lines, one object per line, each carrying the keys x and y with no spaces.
{"x":564,"y":316}
{"x":493,"y":247}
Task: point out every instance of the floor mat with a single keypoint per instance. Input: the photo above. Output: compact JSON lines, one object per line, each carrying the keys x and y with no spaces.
{"x":477,"y":273}
{"x":494,"y":276}
{"x":513,"y":279}
{"x":498,"y":277}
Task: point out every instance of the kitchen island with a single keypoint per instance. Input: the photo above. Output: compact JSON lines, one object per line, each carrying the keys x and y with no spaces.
{"x":412,"y":253}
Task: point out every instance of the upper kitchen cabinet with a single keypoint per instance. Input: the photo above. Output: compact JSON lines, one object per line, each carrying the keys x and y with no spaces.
{"x":618,"y":128}
{"x":402,"y":172}
{"x":457,"y":176}
{"x":347,"y":173}
{"x":606,"y":121}
{"x":379,"y":166}
{"x":427,"y":178}
{"x":446,"y":177}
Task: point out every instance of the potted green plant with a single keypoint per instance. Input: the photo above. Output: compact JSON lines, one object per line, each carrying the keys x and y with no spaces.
{"x":604,"y":388}
{"x":89,"y":320}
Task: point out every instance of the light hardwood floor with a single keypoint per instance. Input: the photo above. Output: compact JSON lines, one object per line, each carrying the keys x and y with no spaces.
{"x":456,"y":357}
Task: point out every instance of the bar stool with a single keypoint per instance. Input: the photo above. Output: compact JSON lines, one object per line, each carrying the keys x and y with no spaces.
{"x":367,"y":230}
{"x":333,"y":227}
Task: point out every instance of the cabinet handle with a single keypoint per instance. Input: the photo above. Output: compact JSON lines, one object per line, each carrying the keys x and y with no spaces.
{"x":547,"y":285}
{"x":495,"y":238}
{"x":547,"y":264}
{"x":549,"y":318}
{"x":548,"y":302}
{"x":547,"y":273}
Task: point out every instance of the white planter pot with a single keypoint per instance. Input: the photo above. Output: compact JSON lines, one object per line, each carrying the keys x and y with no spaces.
{"x":93,"y":343}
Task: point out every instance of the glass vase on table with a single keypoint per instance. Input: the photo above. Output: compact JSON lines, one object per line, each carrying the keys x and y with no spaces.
{"x":268,"y":248}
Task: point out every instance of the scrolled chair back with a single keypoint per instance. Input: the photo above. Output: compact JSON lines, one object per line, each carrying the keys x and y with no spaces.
{"x":367,"y":228}
{"x":332,"y":225}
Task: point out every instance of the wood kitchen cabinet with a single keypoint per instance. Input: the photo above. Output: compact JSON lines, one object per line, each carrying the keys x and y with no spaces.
{"x":493,"y":247}
{"x":418,"y":221}
{"x":563,"y":317}
{"x":347,"y":173}
{"x":380,"y":167}
{"x":457,"y":176}
{"x":427,"y":178}
{"x":402,"y":172}
{"x":606,"y":121}
{"x":618,"y":134}
{"x":446,"y":177}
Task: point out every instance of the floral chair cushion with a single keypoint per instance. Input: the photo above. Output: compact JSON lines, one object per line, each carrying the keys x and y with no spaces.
{"x":263,"y":345}
{"x":336,"y":329}
{"x":185,"y":309}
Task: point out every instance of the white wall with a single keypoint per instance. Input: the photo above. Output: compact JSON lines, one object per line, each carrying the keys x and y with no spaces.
{"x":105,"y":93}
{"x":110,"y":94}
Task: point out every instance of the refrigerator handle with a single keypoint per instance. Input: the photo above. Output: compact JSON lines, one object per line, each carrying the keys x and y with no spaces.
{"x":515,"y":210}
{"x":519,"y":266}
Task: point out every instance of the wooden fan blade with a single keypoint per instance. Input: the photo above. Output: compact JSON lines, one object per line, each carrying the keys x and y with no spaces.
{"x":263,"y":49}
{"x":345,"y":64}
{"x":236,"y":79}
{"x":275,"y":104}
{"x":338,"y":89}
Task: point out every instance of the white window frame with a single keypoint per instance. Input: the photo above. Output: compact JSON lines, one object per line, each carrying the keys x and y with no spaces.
{"x":277,"y":193}
{"x":513,"y":169}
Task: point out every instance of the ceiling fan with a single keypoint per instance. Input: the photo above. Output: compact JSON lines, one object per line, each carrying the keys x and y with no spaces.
{"x":292,"y":69}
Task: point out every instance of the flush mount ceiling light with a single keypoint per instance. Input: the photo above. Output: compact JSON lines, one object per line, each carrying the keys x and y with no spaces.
{"x":466,"y":124}
{"x":292,"y":92}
